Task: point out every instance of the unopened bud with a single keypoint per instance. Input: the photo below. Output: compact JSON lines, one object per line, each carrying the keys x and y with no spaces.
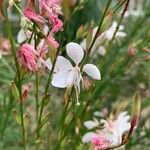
{"x":24,"y":95}
{"x":136,"y":110}
{"x":15,"y":91}
{"x":26,"y":121}
{"x":131,"y":51}
{"x":17,"y":117}
{"x":107,"y":22}
{"x":80,"y":31}
{"x":89,"y":38}
{"x":136,"y":107}
{"x":147,"y":57}
{"x":86,"y":83}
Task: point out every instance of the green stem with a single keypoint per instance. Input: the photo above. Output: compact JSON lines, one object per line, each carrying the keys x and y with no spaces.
{"x":99,"y":27}
{"x":118,"y":6}
{"x":62,"y":123}
{"x":120,"y":20}
{"x":36,"y":77}
{"x":10,"y":106}
{"x":97,"y":32}
{"x":19,"y":84}
{"x":45,"y":93}
{"x":37,"y":96}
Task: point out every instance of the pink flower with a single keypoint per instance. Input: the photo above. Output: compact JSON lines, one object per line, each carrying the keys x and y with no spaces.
{"x":100,"y":142}
{"x":50,"y":6}
{"x":42,"y":48}
{"x":51,"y":9}
{"x":56,"y":23}
{"x":33,"y":16}
{"x":52,"y":41}
{"x":27,"y":56}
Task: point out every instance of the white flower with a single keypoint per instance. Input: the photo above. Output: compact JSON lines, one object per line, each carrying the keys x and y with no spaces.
{"x":110,"y":32}
{"x":67,"y":75}
{"x":112,"y":131}
{"x":135,"y":9}
{"x":117,"y":128}
{"x":107,"y":35}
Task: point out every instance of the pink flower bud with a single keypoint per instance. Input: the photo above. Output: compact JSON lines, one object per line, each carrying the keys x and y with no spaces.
{"x":27,"y":57}
{"x":56,"y":23}
{"x":52,"y":41}
{"x":86,"y":83}
{"x":25,"y":92}
{"x":4,"y":46}
{"x":31,"y":15}
{"x":131,"y":51}
{"x":136,"y":107}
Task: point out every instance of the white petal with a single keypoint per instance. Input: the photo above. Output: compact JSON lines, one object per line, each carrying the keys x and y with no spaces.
{"x":97,"y":114}
{"x":121,"y":34}
{"x":60,"y":79}
{"x":88,"y":137}
{"x":91,"y":124}
{"x":102,"y":50}
{"x":83,"y":44}
{"x":46,"y":29}
{"x":75,"y":52}
{"x":121,"y":27}
{"x":47,"y":63}
{"x":21,"y":37}
{"x":92,"y":71}
{"x":71,"y":77}
{"x":62,"y":64}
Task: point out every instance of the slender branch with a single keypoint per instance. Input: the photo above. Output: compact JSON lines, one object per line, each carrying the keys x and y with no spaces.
{"x":99,"y":27}
{"x":120,"y":20}
{"x":118,"y":6}
{"x":19,"y":83}
{"x":45,"y":93}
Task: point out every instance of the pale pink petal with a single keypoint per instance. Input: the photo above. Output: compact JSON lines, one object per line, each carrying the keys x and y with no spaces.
{"x":51,"y":40}
{"x":47,"y":63}
{"x":75,"y":52}
{"x":62,"y":64}
{"x":91,"y":124}
{"x":21,"y":37}
{"x":102,"y":50}
{"x":92,"y":71}
{"x":60,"y":79}
{"x":88,"y":137}
{"x":121,"y":34}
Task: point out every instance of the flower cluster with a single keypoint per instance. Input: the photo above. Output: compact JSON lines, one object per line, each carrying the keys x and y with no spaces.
{"x":47,"y":22}
{"x":111,"y":134}
{"x":49,"y":11}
